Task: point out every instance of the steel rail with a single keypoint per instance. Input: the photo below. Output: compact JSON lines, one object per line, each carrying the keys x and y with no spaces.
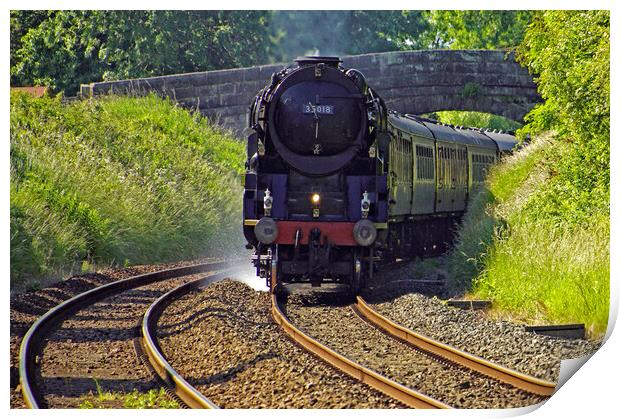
{"x":179,"y":385}
{"x":514,"y":378}
{"x":385,"y":385}
{"x":34,"y":338}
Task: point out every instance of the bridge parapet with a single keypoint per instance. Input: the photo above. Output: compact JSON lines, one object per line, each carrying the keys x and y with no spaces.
{"x":409,"y":81}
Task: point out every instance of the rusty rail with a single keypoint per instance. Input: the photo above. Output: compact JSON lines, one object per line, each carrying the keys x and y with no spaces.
{"x":389,"y":387}
{"x":514,"y":378}
{"x":35,"y":337}
{"x":173,"y":380}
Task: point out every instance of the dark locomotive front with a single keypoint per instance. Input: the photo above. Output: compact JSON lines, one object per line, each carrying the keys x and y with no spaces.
{"x":315,"y":199}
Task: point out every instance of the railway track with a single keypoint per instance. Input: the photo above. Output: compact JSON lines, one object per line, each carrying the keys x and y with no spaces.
{"x":35,"y":339}
{"x":247,"y":350}
{"x":514,"y":378}
{"x":153,"y":355}
{"x":148,"y":349}
{"x":445,"y":375}
{"x":401,"y":393}
{"x":146,"y":342}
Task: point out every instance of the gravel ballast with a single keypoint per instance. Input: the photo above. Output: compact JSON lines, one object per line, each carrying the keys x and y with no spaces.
{"x":473,"y":331}
{"x":223,"y":341}
{"x":337,"y":326}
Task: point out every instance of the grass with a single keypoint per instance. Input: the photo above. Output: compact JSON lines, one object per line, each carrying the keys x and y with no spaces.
{"x":477,"y":119}
{"x":548,"y":274}
{"x":117,"y":181}
{"x":153,"y":399}
{"x":533,"y":267}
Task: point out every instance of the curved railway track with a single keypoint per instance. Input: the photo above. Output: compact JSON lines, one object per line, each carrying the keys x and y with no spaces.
{"x":154,"y":356}
{"x":148,"y":349}
{"x":34,"y":340}
{"x":401,"y":393}
{"x":447,"y":376}
{"x":506,"y":375}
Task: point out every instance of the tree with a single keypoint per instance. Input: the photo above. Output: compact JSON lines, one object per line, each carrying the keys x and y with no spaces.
{"x":63,"y":49}
{"x":478,"y":29}
{"x":568,"y":53}
{"x":345,"y":32}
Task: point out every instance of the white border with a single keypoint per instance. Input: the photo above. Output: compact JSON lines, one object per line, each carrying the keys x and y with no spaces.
{"x":592,"y":392}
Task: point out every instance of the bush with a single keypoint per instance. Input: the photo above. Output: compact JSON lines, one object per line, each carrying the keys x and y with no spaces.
{"x":530,"y":266}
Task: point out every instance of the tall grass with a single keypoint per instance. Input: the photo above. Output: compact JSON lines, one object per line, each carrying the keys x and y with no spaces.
{"x":531,"y":264}
{"x":549,"y":274}
{"x":117,"y":180}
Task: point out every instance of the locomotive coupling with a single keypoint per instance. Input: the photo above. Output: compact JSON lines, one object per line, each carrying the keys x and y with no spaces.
{"x":364,"y":232}
{"x":266,"y":230}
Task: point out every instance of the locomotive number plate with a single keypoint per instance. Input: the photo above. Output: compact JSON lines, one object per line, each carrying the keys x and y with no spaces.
{"x":319,"y":109}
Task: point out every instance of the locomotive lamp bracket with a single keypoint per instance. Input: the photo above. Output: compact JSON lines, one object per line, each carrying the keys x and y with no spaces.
{"x":365,"y":205}
{"x":261,"y":148}
{"x":318,"y":70}
{"x":267,"y":203}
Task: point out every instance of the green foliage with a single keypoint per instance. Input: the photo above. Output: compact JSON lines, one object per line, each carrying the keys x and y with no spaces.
{"x":568,"y":51}
{"x":476,"y":119}
{"x":117,"y":181}
{"x":340,"y":32}
{"x":537,"y":241}
{"x":63,"y":49}
{"x":551,"y":274}
{"x":530,"y":266}
{"x":478,"y":29}
{"x":153,"y":399}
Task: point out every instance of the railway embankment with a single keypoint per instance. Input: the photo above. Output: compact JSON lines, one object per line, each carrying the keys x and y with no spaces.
{"x":117,"y":181}
{"x":540,"y":256}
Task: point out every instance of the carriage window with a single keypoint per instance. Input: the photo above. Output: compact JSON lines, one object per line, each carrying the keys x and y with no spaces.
{"x":480,"y":166}
{"x":425,"y":162}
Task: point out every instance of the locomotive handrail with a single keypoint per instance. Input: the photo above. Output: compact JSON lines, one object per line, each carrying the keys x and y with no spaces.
{"x":515,"y":378}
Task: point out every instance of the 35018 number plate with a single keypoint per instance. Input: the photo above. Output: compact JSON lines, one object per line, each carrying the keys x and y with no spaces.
{"x":319,"y":109}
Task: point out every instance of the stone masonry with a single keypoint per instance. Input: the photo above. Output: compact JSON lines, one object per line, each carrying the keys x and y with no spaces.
{"x":414,"y":82}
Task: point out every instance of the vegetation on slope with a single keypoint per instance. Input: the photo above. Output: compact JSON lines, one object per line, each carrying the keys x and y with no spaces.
{"x":537,"y":239}
{"x":117,"y":181}
{"x":533,"y":268}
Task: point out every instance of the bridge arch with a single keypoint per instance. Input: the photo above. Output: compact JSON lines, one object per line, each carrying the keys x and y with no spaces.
{"x":420,"y":82}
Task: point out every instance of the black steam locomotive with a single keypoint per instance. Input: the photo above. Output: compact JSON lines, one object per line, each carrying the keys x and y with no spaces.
{"x":335,"y":183}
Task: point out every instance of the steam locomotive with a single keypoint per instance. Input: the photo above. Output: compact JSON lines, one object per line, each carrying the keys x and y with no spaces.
{"x":335,"y":182}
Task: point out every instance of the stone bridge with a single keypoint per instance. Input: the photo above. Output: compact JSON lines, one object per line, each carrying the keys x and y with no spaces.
{"x":414,"y":82}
